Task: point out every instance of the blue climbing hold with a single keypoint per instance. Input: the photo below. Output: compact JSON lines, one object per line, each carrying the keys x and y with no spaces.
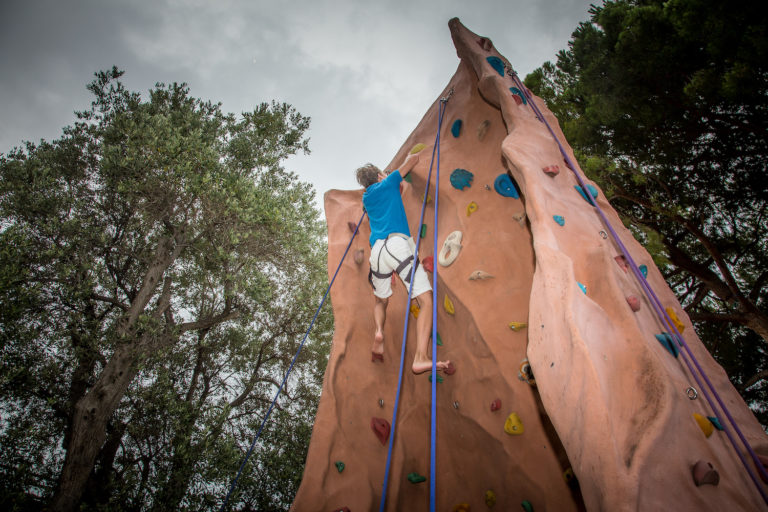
{"x":644,"y":270}
{"x":456,"y":128}
{"x":716,"y":422}
{"x":518,"y":92}
{"x":559,"y":219}
{"x":506,"y":186}
{"x":461,"y":178}
{"x":583,"y":288}
{"x":496,"y":64}
{"x":592,"y":191}
{"x":667,"y":342}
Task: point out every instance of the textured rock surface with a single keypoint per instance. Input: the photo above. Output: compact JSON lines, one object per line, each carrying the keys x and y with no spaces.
{"x":609,"y":400}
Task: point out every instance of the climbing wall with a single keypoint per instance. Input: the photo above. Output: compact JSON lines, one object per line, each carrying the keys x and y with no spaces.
{"x":567,"y":395}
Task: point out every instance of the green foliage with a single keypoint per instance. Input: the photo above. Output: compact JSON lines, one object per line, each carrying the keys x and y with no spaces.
{"x":666,"y":106}
{"x":163,"y":238}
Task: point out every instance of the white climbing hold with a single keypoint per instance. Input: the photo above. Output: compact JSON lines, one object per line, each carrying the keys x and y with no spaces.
{"x":479,"y":275}
{"x":450,"y":250}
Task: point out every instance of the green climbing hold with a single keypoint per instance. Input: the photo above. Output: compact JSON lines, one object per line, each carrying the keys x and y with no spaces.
{"x":408,"y":178}
{"x":643,"y":270}
{"x":716,"y":422}
{"x":592,"y":192}
{"x":496,"y":63}
{"x":423,"y":230}
{"x":439,"y":378}
{"x":667,"y":342}
{"x":339,"y":465}
{"x":439,"y":340}
{"x":456,"y":128}
{"x":527,"y":506}
{"x":490,"y":498}
{"x":416,"y":478}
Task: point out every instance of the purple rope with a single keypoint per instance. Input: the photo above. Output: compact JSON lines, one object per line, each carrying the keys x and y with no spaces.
{"x":660,"y":312}
{"x":383,"y":500}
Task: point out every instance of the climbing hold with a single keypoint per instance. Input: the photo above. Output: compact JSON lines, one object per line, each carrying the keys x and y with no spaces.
{"x":418,"y":147}
{"x":456,"y":128}
{"x":513,"y":425}
{"x":675,"y":320}
{"x":339,"y":465}
{"x":352,"y":226}
{"x":483,"y":129}
{"x":449,"y":369}
{"x":551,"y":170}
{"x":429,"y":199}
{"x":484,"y":43}
{"x":428,"y":264}
{"x":525,"y":373}
{"x":496,"y":63}
{"x":516,"y":326}
{"x":450,"y":250}
{"x":439,"y":340}
{"x":359,"y":254}
{"x":715,"y":422}
{"x":583,"y":288}
{"x":423,"y":230}
{"x":704,"y":473}
{"x":527,"y":506}
{"x":416,"y":478}
{"x":439,"y":378}
{"x":455,"y":404}
{"x":415,"y":310}
{"x":518,"y":99}
{"x":479,"y":275}
{"x":381,"y":428}
{"x":667,"y":342}
{"x":490,"y":498}
{"x":505,"y":186}
{"x":448,"y":305}
{"x":342,"y":509}
{"x":592,"y":192}
{"x":559,"y":219}
{"x":381,"y":402}
{"x":568,"y":475}
{"x":634,"y":303}
{"x":496,"y":405}
{"x":644,"y":270}
{"x":471,"y":208}
{"x":519,"y":94}
{"x":705,"y":425}
{"x":622,"y":261}
{"x":407,"y":179}
{"x":520,"y":218}
{"x":461,"y":507}
{"x":461,"y":178}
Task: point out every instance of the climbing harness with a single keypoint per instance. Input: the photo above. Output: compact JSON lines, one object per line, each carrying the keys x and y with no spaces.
{"x":383,"y":500}
{"x":688,"y":357}
{"x":285,"y":378}
{"x":401,"y":264}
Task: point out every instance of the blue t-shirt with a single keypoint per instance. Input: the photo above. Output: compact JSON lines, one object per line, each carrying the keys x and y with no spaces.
{"x":385,"y":208}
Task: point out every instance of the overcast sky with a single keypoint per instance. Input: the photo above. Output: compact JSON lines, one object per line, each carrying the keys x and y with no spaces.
{"x":364,"y":71}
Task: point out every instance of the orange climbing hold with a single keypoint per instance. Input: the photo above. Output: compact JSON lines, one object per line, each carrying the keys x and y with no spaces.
{"x":448,"y":305}
{"x":705,"y":425}
{"x":381,"y":428}
{"x":415,"y":310}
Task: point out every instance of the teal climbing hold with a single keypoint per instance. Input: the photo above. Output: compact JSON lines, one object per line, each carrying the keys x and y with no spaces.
{"x":716,"y":422}
{"x":559,"y":219}
{"x":439,"y":378}
{"x":461,"y":178}
{"x":592,"y":191}
{"x":339,"y":465}
{"x":408,"y":178}
{"x":518,"y":92}
{"x":527,"y":506}
{"x":583,"y":288}
{"x":506,"y":186}
{"x":456,"y":128}
{"x":667,"y":342}
{"x":416,"y":478}
{"x":496,"y":63}
{"x":644,"y":270}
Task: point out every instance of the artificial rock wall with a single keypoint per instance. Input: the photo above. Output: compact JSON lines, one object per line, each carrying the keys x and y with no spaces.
{"x":607,"y":402}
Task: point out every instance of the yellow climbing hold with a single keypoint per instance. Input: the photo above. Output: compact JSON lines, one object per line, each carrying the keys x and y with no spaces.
{"x":517,"y":326}
{"x":568,"y":475}
{"x":461,"y":507}
{"x":418,"y":147}
{"x":471,"y":208}
{"x":704,"y":423}
{"x":675,"y":320}
{"x":429,"y":198}
{"x":448,"y":305}
{"x":415,"y":310}
{"x":490,"y":498}
{"x":513,"y":426}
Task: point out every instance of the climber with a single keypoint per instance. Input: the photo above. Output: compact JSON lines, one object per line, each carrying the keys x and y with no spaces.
{"x":392,"y":250}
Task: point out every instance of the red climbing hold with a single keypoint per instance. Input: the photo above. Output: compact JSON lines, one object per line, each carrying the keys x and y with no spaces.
{"x":429,"y":264}
{"x":450,"y":369}
{"x":377,"y":357}
{"x":622,"y":261}
{"x":352,"y":226}
{"x":634,"y":303}
{"x":551,"y":170}
{"x":518,"y":99}
{"x":496,"y":405}
{"x":704,"y":473}
{"x":380,"y":427}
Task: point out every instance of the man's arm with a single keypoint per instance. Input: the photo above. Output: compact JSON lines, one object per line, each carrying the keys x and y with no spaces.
{"x":408,"y":165}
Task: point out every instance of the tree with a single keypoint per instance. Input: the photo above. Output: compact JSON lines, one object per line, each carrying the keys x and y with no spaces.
{"x":157,"y":270}
{"x":666,"y":106}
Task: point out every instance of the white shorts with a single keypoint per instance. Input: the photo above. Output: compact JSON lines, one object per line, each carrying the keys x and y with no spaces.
{"x":386,"y":256}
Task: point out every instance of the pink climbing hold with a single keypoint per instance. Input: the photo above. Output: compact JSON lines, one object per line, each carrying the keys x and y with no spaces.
{"x":381,"y":428}
{"x":551,"y":170}
{"x":352,"y":226}
{"x":622,"y":261}
{"x":704,"y":473}
{"x":496,"y":405}
{"x":634,"y":303}
{"x":359,"y":256}
{"x":429,"y":264}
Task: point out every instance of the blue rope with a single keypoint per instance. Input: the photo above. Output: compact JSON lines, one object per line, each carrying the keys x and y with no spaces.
{"x":383,"y":500}
{"x":274,"y":401}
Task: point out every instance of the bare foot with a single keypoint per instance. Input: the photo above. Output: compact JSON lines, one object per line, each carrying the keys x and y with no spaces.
{"x":426,"y":366}
{"x":377,"y":352}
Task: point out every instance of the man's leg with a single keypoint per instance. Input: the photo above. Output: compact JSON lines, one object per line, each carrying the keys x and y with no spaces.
{"x":379,"y":317}
{"x":421,"y":361}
